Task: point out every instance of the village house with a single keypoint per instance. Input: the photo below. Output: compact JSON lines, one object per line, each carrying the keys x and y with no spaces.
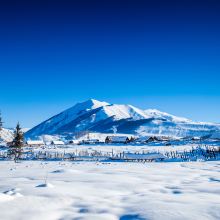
{"x":90,"y":141}
{"x":146,"y":139}
{"x":35,"y":143}
{"x":93,"y":137}
{"x":117,"y":139}
{"x":140,"y":140}
{"x":74,"y":142}
{"x":196,"y":139}
{"x":57,"y":143}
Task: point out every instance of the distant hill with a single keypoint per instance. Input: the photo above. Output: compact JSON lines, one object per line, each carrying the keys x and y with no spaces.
{"x":96,"y":116}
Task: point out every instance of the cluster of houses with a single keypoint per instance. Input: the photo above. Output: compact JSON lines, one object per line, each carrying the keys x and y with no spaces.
{"x":117,"y":139}
{"x":95,"y":138}
{"x":107,"y":140}
{"x":39,"y":143}
{"x":110,"y":139}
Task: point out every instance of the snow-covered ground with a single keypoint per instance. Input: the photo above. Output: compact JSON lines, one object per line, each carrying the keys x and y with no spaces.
{"x":88,"y":190}
{"x":118,"y":148}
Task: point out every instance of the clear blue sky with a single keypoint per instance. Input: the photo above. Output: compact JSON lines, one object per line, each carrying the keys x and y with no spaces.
{"x":152,"y":54}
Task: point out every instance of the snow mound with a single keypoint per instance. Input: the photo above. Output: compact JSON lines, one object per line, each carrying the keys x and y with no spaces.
{"x":47,"y":185}
{"x":5,"y":197}
{"x":59,"y":171}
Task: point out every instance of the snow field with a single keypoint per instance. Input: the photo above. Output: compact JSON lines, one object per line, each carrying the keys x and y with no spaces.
{"x":124,"y":191}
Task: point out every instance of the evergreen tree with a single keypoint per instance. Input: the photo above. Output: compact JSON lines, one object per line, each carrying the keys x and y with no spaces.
{"x":15,"y":150}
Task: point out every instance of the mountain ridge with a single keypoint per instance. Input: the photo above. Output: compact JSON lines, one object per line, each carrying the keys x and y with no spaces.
{"x":6,"y":135}
{"x":97,"y":116}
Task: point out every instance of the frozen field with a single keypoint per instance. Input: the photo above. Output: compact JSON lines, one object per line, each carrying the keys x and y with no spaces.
{"x":109,"y":191}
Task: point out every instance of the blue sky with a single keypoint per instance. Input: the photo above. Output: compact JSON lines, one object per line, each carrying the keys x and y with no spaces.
{"x":152,"y":54}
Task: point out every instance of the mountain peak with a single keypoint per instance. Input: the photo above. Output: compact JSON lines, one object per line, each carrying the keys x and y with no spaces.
{"x":97,"y":102}
{"x":92,"y":104}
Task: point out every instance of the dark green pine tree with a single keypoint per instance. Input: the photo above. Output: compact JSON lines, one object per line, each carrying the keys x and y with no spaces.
{"x":15,"y":150}
{"x":18,"y":137}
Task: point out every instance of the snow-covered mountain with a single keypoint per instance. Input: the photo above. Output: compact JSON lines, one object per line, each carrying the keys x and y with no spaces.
{"x":6,"y":135}
{"x":97,"y":116}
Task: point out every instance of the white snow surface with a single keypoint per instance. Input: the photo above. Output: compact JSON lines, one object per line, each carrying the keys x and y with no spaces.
{"x":35,"y":190}
{"x":122,"y":112}
{"x":156,"y":113}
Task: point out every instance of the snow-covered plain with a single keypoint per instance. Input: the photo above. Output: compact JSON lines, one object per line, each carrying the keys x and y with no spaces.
{"x":93,"y":190}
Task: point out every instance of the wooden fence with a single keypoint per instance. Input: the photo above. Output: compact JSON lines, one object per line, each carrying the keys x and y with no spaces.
{"x":204,"y":152}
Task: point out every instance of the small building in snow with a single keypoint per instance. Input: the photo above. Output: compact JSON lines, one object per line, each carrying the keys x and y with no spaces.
{"x":57,"y":143}
{"x":117,"y":139}
{"x":90,"y":141}
{"x":37,"y":143}
{"x":146,"y":139}
{"x":154,"y":139}
{"x":140,"y":140}
{"x":74,"y":142}
{"x":196,"y":139}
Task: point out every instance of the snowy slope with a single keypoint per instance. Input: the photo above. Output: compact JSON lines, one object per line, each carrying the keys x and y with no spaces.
{"x":103,"y":117}
{"x":85,"y":115}
{"x":163,"y":115}
{"x":121,"y":112}
{"x":6,"y":135}
{"x":51,"y":125}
